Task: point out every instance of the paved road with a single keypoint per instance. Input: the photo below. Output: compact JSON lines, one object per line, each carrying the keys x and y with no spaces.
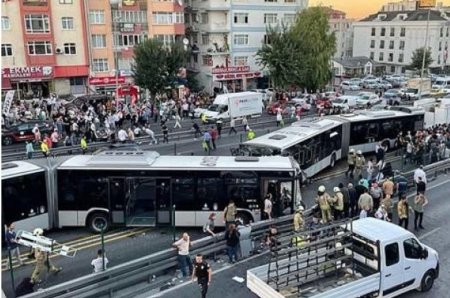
{"x":435,"y":235}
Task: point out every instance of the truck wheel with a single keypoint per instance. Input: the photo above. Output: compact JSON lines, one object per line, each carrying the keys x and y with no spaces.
{"x":97,"y":220}
{"x":427,"y":281}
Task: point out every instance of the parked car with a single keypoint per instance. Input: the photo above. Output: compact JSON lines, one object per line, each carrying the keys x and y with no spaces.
{"x":345,"y":103}
{"x":367,"y":98}
{"x":391,"y":99}
{"x":371,"y":85}
{"x":285,"y":107}
{"x":356,"y":81}
{"x":24,"y":131}
{"x":385,"y":84}
{"x":347,"y":85}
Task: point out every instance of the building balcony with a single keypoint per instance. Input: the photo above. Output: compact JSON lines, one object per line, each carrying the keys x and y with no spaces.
{"x":217,"y":5}
{"x":192,"y":28}
{"x":215,"y":27}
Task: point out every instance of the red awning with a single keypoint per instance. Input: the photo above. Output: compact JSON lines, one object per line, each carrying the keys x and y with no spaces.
{"x":6,"y":84}
{"x":71,"y":71}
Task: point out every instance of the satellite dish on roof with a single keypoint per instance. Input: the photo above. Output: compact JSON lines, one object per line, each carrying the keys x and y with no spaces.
{"x":180,"y":2}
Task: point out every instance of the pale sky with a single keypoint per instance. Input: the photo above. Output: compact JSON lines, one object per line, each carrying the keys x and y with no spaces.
{"x":358,"y":8}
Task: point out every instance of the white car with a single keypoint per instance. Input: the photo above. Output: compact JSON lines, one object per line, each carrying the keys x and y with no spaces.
{"x":199,"y":111}
{"x":366,"y":98}
{"x":347,"y":85}
{"x":356,"y":81}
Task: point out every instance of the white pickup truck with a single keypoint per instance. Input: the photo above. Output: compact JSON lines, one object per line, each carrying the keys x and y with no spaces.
{"x":374,"y":258}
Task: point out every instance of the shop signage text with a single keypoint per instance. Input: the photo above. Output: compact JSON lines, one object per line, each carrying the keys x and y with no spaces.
{"x":230,"y":69}
{"x":27,"y":72}
{"x":111,"y":80}
{"x":237,"y":76}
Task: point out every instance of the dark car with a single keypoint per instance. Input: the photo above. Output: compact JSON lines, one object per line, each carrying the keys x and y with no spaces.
{"x":24,"y":131}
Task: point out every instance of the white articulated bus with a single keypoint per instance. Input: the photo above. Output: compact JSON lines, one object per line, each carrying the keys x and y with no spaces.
{"x":319,"y":143}
{"x":139,"y":188}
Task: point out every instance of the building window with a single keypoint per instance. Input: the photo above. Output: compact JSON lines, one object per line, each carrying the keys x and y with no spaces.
{"x":381,"y":44}
{"x":372,"y":55}
{"x":205,"y":60}
{"x":6,"y":50}
{"x":97,"y":16}
{"x":383,"y":32}
{"x":129,"y":16}
{"x":76,"y":81}
{"x":37,"y":23}
{"x":67,"y":23}
{"x":373,"y":32}
{"x":99,"y":41}
{"x":204,"y":18}
{"x":267,"y":39}
{"x":391,"y":57}
{"x":70,"y":49}
{"x":439,"y":59}
{"x":270,"y":18}
{"x":34,"y":2}
{"x":270,"y":0}
{"x":100,"y":65}
{"x":392,"y":33}
{"x":440,"y":46}
{"x":372,"y":44}
{"x":391,"y":44}
{"x":241,"y":18}
{"x":400,"y":57}
{"x":381,"y":57}
{"x":402,"y":31}
{"x":392,"y":69}
{"x":65,"y":1}
{"x":402,"y":45}
{"x":39,"y":48}
{"x":168,"y":18}
{"x":241,"y":39}
{"x":240,"y":60}
{"x":289,"y":18}
{"x":135,"y":39}
{"x":166,"y":39}
{"x":205,"y":39}
{"x":6,"y":25}
{"x":441,"y":32}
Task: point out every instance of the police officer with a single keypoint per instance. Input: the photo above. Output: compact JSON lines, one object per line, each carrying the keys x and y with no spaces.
{"x":203,"y":273}
{"x":360,"y":161}
{"x":299,"y":221}
{"x":338,"y":203}
{"x":324,"y":199}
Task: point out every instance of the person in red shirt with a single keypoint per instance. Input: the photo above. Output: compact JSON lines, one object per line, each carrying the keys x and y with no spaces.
{"x":48,"y":141}
{"x":214,"y":134}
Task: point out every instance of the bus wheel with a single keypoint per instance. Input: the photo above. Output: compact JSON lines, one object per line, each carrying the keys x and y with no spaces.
{"x":98,"y":220}
{"x":427,"y":281}
{"x":245,"y":218}
{"x":332,"y":160}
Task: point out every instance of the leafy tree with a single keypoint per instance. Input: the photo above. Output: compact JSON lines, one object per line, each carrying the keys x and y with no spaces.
{"x":417,"y":59}
{"x":300,"y":54}
{"x":156,"y":65}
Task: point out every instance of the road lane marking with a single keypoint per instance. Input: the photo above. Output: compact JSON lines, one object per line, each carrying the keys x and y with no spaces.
{"x":429,"y":233}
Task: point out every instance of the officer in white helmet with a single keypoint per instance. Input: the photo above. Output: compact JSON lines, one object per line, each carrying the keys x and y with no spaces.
{"x":351,"y":160}
{"x":299,"y":221}
{"x":338,"y":203}
{"x":359,"y":162}
{"x":36,"y":232}
{"x":324,"y":201}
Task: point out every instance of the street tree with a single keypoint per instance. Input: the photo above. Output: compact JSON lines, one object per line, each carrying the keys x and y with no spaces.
{"x":156,"y":66}
{"x":417,"y":59}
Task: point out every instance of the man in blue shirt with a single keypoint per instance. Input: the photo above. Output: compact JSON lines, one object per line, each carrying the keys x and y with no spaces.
{"x":207,"y":139}
{"x":12,"y":244}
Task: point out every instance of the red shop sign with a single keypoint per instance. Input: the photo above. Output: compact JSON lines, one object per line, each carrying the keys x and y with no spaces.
{"x":111,"y":80}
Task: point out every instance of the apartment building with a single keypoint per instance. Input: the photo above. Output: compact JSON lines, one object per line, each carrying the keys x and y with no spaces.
{"x":44,"y":47}
{"x":390,"y":38}
{"x":225,"y":36}
{"x":342,"y":29}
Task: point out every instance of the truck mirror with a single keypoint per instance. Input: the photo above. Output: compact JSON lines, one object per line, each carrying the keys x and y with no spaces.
{"x":424,"y":253}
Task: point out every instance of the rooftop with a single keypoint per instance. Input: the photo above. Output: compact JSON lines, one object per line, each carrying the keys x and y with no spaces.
{"x":18,"y":168}
{"x":354,"y":62}
{"x":379,"y":230}
{"x":415,"y":15}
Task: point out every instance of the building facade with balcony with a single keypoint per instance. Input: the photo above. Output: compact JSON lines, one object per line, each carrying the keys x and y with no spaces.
{"x":44,"y":47}
{"x":343,"y":31}
{"x":225,"y":36}
{"x":390,"y":38}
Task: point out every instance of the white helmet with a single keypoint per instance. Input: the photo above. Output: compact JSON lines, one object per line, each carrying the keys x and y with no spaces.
{"x":300,"y":208}
{"x":38,"y":232}
{"x":359,"y":152}
{"x":321,"y":188}
{"x":336,"y":189}
{"x":352,"y":150}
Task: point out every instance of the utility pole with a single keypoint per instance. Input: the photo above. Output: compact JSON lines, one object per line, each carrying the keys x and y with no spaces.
{"x":425,"y":49}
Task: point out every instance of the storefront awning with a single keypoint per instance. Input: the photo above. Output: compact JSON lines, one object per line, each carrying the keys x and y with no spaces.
{"x":6,"y":84}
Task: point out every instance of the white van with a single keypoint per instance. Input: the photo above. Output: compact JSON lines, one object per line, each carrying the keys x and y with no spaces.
{"x":345,"y":102}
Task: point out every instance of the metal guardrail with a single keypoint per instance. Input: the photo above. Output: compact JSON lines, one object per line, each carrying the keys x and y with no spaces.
{"x":141,"y":270}
{"x":174,"y":136}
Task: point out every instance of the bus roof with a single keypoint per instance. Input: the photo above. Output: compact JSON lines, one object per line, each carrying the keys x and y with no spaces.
{"x":147,"y":160}
{"x":291,"y":135}
{"x":19,"y":168}
{"x":365,"y":115}
{"x":379,"y":230}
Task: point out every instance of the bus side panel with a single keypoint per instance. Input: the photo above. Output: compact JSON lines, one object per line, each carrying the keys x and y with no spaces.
{"x":345,"y":139}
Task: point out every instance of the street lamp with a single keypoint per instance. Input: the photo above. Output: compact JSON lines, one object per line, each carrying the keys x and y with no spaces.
{"x":115,"y":48}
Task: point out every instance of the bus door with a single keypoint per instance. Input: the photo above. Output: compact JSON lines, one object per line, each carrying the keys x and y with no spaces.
{"x":163,"y":201}
{"x":281,"y":190}
{"x":140,"y":198}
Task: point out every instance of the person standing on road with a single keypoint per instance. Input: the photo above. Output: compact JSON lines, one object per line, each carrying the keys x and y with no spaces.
{"x":165,"y":132}
{"x":299,"y":220}
{"x":44,"y":148}
{"x":207,"y":141}
{"x":55,"y":138}
{"x":421,"y":186}
{"x":214,"y":134}
{"x":183,"y":245}
{"x":365,"y":202}
{"x":83,"y":145}
{"x":196,"y":130}
{"x":232,"y":237}
{"x":11,"y":243}
{"x":267,"y":213}
{"x":250,"y":134}
{"x":177,"y":121}
{"x":245,"y":124}
{"x":324,"y":199}
{"x":203,"y":273}
{"x":420,"y":201}
{"x":338,"y":203}
{"x":403,"y":211}
{"x":232,"y":127}
{"x":41,"y":262}
{"x":229,"y":214}
{"x":219,"y":124}
{"x":97,"y":263}
{"x":29,"y":149}
{"x":359,"y":162}
{"x":351,"y":160}
{"x":279,"y":118}
{"x":420,"y":175}
{"x":150,"y":132}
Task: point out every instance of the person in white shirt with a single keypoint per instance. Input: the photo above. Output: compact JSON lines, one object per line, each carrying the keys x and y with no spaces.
{"x":97,"y":263}
{"x":151,"y":134}
{"x":183,"y":245}
{"x":177,"y":121}
{"x":420,"y":173}
{"x":268,"y":207}
{"x":122,"y":135}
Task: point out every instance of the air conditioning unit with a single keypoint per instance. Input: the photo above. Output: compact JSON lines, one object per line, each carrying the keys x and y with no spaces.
{"x":59,"y":50}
